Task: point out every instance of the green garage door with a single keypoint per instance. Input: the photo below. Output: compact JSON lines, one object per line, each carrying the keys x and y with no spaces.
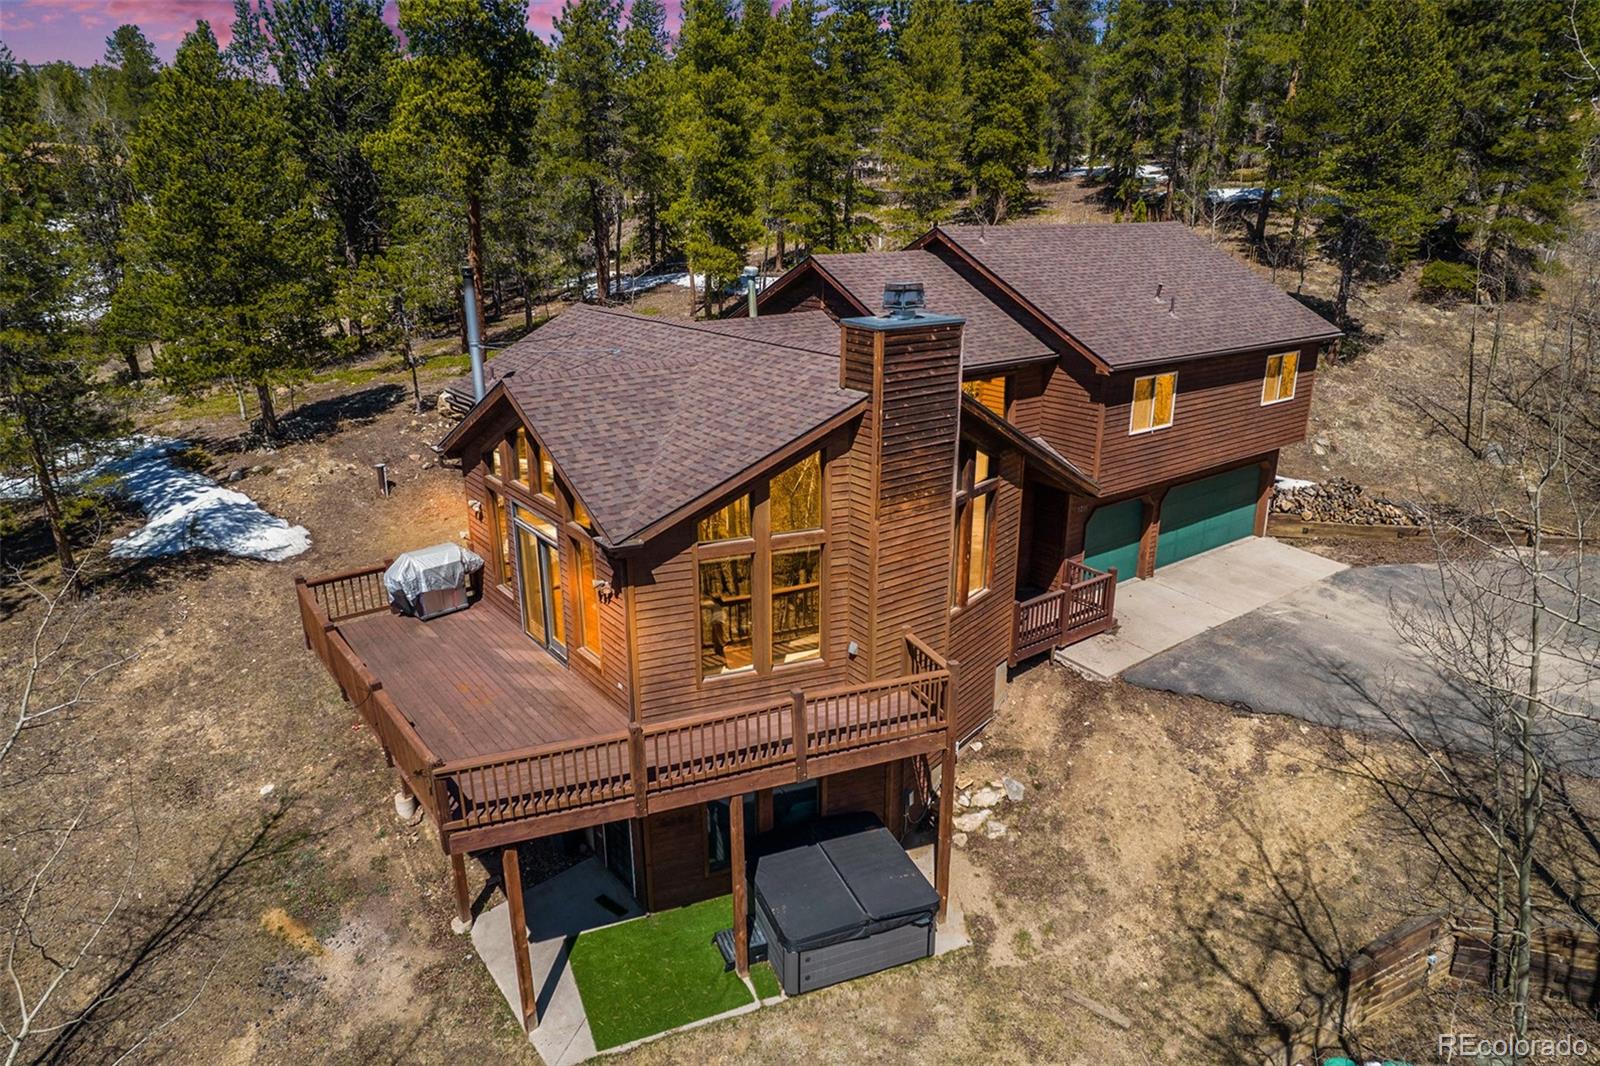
{"x":1111,"y":539}
{"x":1207,"y":514}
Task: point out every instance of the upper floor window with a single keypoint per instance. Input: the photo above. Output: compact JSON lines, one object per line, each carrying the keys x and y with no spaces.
{"x":976,"y":483}
{"x":1153,"y":400}
{"x":587,"y":615}
{"x":500,"y":532}
{"x":523,"y":448}
{"x":1282,"y":372}
{"x":991,"y":392}
{"x":759,"y":567}
{"x":494,"y":462}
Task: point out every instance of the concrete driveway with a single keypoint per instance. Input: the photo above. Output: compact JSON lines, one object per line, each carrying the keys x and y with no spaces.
{"x":1188,"y":598}
{"x":1334,"y":653}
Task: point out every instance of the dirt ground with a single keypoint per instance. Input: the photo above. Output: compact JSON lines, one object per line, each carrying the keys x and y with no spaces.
{"x":1189,"y":868}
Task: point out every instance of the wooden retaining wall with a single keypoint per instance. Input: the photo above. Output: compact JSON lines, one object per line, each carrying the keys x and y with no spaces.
{"x":1565,"y":964}
{"x":1397,"y":967}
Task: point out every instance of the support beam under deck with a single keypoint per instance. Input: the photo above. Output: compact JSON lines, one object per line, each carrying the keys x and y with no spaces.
{"x":741,"y":903}
{"x":511,"y":874}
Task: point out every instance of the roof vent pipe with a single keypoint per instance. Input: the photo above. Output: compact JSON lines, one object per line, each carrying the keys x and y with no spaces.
{"x":469,"y":311}
{"x":750,"y":275}
{"x":1158,"y":290}
{"x":903,"y":299}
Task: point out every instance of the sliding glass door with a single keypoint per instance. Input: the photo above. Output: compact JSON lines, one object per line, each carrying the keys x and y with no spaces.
{"x":539,"y":581}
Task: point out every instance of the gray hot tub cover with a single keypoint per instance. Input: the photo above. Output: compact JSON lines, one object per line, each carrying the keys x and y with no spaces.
{"x":443,"y":566}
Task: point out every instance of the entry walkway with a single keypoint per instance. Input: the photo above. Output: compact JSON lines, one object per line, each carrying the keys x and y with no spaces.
{"x":1188,"y":598}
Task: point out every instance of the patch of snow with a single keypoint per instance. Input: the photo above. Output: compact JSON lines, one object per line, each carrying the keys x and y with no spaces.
{"x":187,"y":511}
{"x":1289,"y":484}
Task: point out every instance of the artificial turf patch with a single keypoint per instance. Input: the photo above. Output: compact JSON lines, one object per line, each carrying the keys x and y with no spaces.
{"x":766,"y":981}
{"x":656,"y":973}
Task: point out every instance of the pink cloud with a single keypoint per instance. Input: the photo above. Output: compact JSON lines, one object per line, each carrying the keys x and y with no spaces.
{"x":37,"y":33}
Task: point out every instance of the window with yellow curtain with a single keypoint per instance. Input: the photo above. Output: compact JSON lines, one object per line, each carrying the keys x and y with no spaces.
{"x":1153,"y":400}
{"x":1282,"y":371}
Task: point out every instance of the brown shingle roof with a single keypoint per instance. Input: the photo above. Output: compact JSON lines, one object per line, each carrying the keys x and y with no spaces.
{"x":1097,"y":282}
{"x":991,"y":338}
{"x":645,"y":415}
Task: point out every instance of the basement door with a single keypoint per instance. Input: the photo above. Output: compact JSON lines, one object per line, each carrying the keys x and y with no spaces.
{"x":1111,"y":539}
{"x":1207,"y":514}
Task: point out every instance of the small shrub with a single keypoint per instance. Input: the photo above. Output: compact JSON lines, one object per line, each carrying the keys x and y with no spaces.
{"x":1444,"y":281}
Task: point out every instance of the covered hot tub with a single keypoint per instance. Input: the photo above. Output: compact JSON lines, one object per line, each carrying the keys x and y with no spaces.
{"x":842,"y":901}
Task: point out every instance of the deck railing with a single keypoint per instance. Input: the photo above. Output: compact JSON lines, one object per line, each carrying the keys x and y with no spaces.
{"x":1080,"y":609}
{"x":352,"y":594}
{"x":622,"y":771}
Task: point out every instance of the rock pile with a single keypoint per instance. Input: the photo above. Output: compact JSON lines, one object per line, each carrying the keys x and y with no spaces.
{"x":977,"y":808}
{"x":1340,"y":500}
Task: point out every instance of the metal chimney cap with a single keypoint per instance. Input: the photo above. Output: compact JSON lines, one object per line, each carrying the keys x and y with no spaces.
{"x":903,"y":299}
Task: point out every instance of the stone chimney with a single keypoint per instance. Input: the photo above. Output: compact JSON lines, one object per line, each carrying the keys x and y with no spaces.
{"x":909,"y":361}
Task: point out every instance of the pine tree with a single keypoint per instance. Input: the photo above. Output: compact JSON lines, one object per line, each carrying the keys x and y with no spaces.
{"x":1263,"y":93}
{"x":335,"y":62}
{"x":714,"y":212}
{"x":1524,"y":124}
{"x":584,"y":118}
{"x":228,"y":253}
{"x":131,"y":55}
{"x":1068,"y":51}
{"x":466,"y":98}
{"x":1384,"y":95}
{"x":803,"y":122}
{"x":1005,"y":90}
{"x":47,"y":403}
{"x":1156,"y":91}
{"x":646,"y":74}
{"x":856,"y":62}
{"x":926,"y":130}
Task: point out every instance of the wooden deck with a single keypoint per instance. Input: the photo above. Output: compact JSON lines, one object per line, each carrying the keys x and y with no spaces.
{"x":473,"y":684}
{"x":500,"y":743}
{"x":1084,"y":607}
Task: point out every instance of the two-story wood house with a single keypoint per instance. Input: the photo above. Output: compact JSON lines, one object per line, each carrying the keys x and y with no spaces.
{"x":743,"y":573}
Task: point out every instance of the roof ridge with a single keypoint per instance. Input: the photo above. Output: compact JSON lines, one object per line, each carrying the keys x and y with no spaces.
{"x":696,"y":327}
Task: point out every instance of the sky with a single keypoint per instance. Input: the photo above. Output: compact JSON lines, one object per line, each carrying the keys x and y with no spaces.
{"x":38,"y":31}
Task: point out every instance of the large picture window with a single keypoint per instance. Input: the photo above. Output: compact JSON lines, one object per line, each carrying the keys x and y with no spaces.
{"x":759,"y":567}
{"x":977,"y":481}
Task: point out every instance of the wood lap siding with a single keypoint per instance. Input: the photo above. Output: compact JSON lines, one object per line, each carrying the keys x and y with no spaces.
{"x":1218,"y":418}
{"x":980,"y":633}
{"x":1070,"y":415}
{"x":915,"y":508}
{"x":667,"y":621}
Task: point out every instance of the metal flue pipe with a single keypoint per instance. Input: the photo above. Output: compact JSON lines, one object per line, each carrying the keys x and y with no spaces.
{"x":750,"y":275}
{"x":469,"y":308}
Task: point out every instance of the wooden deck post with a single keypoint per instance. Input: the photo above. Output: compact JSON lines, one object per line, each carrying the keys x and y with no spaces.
{"x":741,"y":903}
{"x":511,"y":875}
{"x":947,"y":799}
{"x":638,"y":770}
{"x":801,"y":730}
{"x":458,"y":881}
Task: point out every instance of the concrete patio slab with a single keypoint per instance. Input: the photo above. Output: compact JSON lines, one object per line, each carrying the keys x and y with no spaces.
{"x":1186,"y":599}
{"x":557,"y":910}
